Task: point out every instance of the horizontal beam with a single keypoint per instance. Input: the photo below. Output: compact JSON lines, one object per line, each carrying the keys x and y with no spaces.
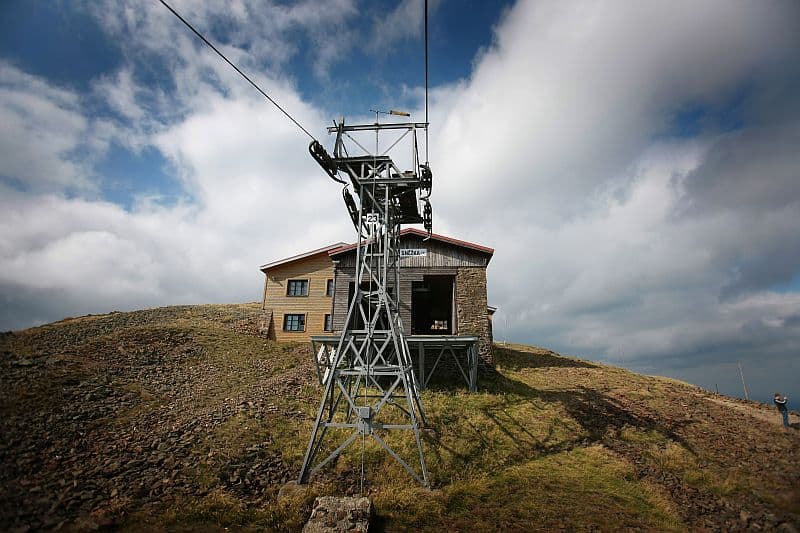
{"x":378,"y":126}
{"x":404,"y":182}
{"x":445,"y":339}
{"x":418,"y":339}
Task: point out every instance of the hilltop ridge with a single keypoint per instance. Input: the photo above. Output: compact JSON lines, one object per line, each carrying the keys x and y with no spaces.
{"x":184,"y":417}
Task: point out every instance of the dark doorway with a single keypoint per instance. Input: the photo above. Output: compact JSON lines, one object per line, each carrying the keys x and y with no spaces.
{"x":432,"y":306}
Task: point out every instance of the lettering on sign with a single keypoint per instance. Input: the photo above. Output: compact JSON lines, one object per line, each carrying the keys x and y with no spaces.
{"x":413,"y":252}
{"x":372,"y":218}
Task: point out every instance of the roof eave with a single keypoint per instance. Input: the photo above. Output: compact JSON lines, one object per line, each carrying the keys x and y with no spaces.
{"x":420,"y":233}
{"x":279,"y":262}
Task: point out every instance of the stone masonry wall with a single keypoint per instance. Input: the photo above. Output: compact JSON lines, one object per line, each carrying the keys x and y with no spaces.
{"x":471,"y":303}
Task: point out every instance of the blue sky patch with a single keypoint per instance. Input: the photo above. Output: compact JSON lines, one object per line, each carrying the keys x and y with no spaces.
{"x":457,"y":32}
{"x":54,"y":40}
{"x":722,"y":116}
{"x":792,"y":285}
{"x":127,"y":175}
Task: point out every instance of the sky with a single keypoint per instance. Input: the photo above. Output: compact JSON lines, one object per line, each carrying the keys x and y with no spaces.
{"x":635,"y":164}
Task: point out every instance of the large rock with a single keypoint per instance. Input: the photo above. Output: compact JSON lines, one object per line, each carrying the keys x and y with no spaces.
{"x":339,"y":514}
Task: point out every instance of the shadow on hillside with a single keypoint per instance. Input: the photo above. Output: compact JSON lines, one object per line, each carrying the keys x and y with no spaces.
{"x":599,"y":416}
{"x":597,"y":413}
{"x":513,"y":359}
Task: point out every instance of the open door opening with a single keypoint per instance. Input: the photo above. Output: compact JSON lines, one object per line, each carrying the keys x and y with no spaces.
{"x":432,"y":306}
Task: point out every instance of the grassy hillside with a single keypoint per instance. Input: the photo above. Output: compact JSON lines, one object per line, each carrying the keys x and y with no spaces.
{"x":183,"y":418}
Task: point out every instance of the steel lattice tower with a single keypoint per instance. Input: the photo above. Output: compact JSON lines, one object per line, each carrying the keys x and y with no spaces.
{"x":370,"y":372}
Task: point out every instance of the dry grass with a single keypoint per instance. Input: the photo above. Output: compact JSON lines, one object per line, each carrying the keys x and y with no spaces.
{"x":546,"y":443}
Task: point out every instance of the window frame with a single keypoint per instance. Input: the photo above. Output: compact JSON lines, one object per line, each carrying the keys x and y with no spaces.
{"x":301,"y":322}
{"x":327,"y":320}
{"x":289,"y":285}
{"x":329,"y":288}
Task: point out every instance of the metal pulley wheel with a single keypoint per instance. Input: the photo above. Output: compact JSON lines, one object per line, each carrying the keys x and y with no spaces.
{"x":426,"y":180}
{"x":352,"y":208}
{"x":427,"y":216}
{"x":324,"y":159}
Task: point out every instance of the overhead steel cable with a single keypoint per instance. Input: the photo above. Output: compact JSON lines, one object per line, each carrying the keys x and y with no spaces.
{"x":426,"y":83}
{"x":228,"y":61}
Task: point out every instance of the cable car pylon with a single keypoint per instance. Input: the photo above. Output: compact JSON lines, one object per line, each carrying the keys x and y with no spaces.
{"x":370,"y":385}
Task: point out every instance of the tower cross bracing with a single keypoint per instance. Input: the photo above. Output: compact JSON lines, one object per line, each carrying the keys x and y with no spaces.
{"x":370,"y":372}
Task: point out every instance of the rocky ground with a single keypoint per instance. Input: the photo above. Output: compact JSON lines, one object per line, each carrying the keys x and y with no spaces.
{"x":184,"y":416}
{"x":102,"y":415}
{"x":703,"y":508}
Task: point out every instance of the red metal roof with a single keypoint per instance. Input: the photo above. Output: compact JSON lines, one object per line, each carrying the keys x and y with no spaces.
{"x":421,"y":233}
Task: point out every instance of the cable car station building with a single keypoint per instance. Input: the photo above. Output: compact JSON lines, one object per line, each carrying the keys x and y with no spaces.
{"x":443,"y":299}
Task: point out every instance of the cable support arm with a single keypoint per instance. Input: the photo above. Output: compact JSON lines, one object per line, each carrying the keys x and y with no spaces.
{"x":324,"y":159}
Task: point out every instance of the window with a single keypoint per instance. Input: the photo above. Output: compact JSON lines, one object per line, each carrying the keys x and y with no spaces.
{"x":294,"y":322}
{"x":328,"y":323}
{"x":297,"y":287}
{"x":329,"y":288}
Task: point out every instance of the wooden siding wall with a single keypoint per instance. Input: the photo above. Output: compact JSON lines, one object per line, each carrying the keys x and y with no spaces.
{"x":340,"y":294}
{"x":317,"y":269}
{"x":440,"y":255}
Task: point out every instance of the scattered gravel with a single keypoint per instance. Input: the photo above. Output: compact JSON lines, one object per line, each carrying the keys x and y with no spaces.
{"x":104,"y":414}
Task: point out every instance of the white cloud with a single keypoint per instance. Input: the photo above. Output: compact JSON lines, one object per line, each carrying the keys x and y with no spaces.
{"x":613,"y":240}
{"x":256,"y":35}
{"x":257,"y":196}
{"x":404,"y":22}
{"x":119,"y":93}
{"x":40,"y":128}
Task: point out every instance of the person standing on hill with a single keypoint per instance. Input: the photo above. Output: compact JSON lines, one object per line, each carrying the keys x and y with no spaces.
{"x":782,"y":407}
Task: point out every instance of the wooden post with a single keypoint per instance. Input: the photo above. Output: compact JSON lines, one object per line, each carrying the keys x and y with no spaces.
{"x":744,"y":385}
